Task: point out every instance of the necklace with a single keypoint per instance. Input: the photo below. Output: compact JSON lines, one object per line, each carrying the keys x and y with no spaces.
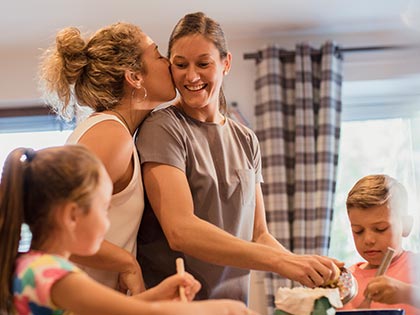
{"x":121,"y":117}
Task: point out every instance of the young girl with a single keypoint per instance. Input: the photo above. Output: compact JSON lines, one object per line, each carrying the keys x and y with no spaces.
{"x":63,"y":194}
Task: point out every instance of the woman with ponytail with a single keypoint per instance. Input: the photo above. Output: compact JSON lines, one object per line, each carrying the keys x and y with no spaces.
{"x":202,"y":174}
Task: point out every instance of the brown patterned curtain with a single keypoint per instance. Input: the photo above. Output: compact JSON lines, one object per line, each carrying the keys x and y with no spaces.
{"x":298,"y":112}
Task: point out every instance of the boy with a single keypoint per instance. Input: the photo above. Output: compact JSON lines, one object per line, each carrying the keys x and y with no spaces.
{"x":377,"y":210}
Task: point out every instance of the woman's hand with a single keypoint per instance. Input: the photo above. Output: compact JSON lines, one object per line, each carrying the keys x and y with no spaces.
{"x":310,"y":270}
{"x":168,"y":289}
{"x":131,"y":279}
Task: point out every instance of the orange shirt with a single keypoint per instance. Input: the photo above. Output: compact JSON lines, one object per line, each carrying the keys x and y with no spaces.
{"x":402,"y":269}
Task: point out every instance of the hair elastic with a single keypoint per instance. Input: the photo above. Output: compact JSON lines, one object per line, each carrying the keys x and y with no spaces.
{"x":28,"y":155}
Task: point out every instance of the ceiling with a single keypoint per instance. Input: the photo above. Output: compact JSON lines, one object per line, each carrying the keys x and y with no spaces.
{"x":35,"y":22}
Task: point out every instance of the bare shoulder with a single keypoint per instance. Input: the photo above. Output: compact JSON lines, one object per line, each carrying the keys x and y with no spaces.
{"x":112,"y":143}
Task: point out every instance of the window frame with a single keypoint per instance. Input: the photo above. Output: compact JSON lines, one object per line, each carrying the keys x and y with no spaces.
{"x":31,"y":118}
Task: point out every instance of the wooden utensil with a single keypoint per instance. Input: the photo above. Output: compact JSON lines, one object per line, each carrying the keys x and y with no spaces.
{"x":180,"y":270}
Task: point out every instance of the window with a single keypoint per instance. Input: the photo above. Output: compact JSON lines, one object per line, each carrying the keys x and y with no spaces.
{"x":37,"y":129}
{"x":34,"y":131}
{"x":377,"y":139}
{"x":36,"y":140}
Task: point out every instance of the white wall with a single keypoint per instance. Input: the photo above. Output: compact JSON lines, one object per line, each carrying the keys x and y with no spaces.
{"x":18,"y":75}
{"x":239,"y":84}
{"x":18,"y":66}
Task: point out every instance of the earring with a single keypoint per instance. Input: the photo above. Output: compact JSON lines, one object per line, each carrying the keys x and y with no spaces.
{"x":133,"y":93}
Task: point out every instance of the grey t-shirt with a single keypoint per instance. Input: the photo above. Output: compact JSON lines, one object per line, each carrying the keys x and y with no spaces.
{"x":222,"y":164}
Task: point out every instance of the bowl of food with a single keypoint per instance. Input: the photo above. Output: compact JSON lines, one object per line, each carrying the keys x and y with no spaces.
{"x":321,"y":300}
{"x":346,"y":284}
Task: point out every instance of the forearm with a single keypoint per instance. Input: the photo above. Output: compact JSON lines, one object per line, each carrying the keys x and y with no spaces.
{"x":66,"y":294}
{"x":209,"y":243}
{"x":269,"y":240}
{"x":206,"y":242}
{"x":109,"y":257}
{"x":170,"y":197}
{"x":148,"y":295}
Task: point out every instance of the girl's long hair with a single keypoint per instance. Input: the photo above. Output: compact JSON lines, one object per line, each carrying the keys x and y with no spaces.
{"x":33,"y":183}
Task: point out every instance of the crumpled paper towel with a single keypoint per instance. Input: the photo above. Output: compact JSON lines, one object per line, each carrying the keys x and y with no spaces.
{"x":300,"y":301}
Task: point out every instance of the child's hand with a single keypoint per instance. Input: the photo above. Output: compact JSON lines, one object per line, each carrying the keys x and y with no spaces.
{"x":387,"y":290}
{"x":168,"y":289}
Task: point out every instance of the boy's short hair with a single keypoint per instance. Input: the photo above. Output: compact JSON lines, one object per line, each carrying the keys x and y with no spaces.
{"x":377,"y":190}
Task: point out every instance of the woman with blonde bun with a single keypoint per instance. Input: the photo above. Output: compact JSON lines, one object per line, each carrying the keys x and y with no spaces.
{"x":120,"y":76}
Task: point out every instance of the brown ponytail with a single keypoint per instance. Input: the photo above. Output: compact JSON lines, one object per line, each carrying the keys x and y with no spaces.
{"x":15,"y":169}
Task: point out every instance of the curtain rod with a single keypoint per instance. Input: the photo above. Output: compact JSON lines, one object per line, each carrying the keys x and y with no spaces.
{"x":257,"y":55}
